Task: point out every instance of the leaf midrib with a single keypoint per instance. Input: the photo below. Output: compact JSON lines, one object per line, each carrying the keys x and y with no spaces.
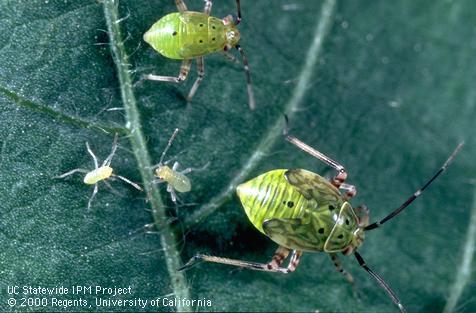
{"x":139,"y":148}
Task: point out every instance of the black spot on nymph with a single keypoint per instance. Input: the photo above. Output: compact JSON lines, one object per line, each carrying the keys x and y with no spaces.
{"x":340,"y":236}
{"x":347,"y":222}
{"x":200,"y":41}
{"x":174,"y":33}
{"x":331,"y":208}
{"x":321,"y":230}
{"x":290,"y":204}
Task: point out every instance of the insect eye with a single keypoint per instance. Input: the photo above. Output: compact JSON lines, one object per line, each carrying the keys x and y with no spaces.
{"x":230,"y":35}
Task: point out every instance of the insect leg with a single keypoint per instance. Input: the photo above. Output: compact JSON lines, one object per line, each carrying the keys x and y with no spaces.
{"x":95,"y":159}
{"x":340,"y":269}
{"x":108,"y":160}
{"x":238,"y":12}
{"x":113,"y":190}
{"x":208,"y":7}
{"x":339,"y":179}
{"x":239,"y":263}
{"x":294,"y":261}
{"x":181,"y":5}
{"x":95,"y":191}
{"x":381,"y":282}
{"x":278,"y":258}
{"x":230,"y":57}
{"x":193,"y":169}
{"x":249,"y":86}
{"x":350,"y":190}
{"x":173,"y":195}
{"x":198,"y":81}
{"x":76,"y":170}
{"x":184,"y":70}
{"x":418,"y":192}
{"x":136,"y":186}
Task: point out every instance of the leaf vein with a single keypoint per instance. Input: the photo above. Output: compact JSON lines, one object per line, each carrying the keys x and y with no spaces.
{"x":58,"y":116}
{"x":464,"y":270}
{"x":167,"y":236}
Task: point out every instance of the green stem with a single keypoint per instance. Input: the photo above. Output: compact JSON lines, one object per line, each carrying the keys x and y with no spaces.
{"x":138,"y":143}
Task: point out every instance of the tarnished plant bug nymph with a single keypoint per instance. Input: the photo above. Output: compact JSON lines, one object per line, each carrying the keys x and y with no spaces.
{"x":100,"y":173}
{"x":302,"y":211}
{"x":176,"y":180}
{"x":186,"y":35}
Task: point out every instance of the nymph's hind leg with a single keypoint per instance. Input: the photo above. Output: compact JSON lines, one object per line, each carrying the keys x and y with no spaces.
{"x":208,"y":7}
{"x":340,"y":269}
{"x":184,"y":70}
{"x":273,"y":266}
{"x":181,"y":5}
{"x":198,"y":81}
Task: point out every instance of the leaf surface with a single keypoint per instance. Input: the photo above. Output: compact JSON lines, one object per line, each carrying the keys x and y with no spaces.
{"x":387,"y":89}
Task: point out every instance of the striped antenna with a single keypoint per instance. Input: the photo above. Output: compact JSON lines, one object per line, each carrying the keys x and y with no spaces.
{"x":418,"y":192}
{"x":168,"y":145}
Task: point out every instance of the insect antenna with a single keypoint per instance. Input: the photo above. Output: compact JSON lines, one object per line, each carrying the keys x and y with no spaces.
{"x":108,"y":160}
{"x":418,"y":192}
{"x":237,"y":20}
{"x":251,"y":97}
{"x":168,"y":145}
{"x":381,"y":282}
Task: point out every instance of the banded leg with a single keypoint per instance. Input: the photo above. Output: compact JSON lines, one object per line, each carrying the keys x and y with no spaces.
{"x":238,"y":12}
{"x":294,"y":261}
{"x":249,"y":86}
{"x":341,"y":176}
{"x":278,"y":258}
{"x":208,"y":7}
{"x":350,"y":191}
{"x":184,"y":70}
{"x":198,"y":81}
{"x":230,"y":57}
{"x":272,"y":266}
{"x":181,"y":5}
{"x":340,"y":269}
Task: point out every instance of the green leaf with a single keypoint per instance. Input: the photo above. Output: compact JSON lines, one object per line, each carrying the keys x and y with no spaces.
{"x":384,"y":88}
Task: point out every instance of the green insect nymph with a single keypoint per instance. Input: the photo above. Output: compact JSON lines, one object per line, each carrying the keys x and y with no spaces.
{"x":187,"y":35}
{"x":303,"y":211}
